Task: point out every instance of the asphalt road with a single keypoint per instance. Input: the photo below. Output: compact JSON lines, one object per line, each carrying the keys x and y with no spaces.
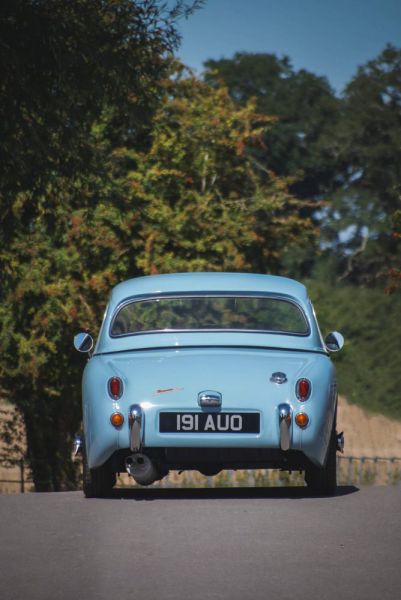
{"x":202,"y":544}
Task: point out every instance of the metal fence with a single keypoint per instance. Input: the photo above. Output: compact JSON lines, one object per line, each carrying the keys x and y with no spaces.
{"x":18,"y":472}
{"x":352,"y":470}
{"x":365,"y":470}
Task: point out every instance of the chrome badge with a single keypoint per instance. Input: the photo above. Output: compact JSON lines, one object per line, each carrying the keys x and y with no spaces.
{"x":278,"y":377}
{"x":209,"y":398}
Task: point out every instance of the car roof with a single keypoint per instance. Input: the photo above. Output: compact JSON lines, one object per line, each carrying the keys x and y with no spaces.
{"x":207,"y":282}
{"x":196,"y":283}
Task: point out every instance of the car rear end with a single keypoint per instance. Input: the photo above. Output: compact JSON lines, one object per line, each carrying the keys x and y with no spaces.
{"x":207,"y":373}
{"x":231,"y":402}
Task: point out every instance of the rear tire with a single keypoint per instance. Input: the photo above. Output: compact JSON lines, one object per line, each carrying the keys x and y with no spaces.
{"x":323,"y":481}
{"x":96,"y":482}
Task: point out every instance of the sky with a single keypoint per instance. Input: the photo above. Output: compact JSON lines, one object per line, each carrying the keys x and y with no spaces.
{"x":327,"y":37}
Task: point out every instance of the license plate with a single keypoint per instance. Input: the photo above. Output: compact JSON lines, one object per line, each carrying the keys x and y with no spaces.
{"x":195,"y":422}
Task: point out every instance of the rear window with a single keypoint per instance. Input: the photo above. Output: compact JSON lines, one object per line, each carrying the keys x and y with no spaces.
{"x":200,"y":313}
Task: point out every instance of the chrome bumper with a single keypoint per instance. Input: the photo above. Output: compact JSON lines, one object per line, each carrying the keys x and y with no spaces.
{"x":135,"y":424}
{"x":77,"y":446}
{"x":284,"y":416}
{"x":340,"y":442}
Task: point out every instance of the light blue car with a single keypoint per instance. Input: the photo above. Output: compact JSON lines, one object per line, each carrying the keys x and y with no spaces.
{"x":209,"y":371}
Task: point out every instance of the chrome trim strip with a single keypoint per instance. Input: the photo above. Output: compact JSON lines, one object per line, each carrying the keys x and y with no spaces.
{"x":209,"y":330}
{"x":210,"y":347}
{"x":135,"y":423}
{"x":284,"y":416}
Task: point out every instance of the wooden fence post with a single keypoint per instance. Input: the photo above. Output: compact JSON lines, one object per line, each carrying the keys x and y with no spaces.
{"x":22,"y":472}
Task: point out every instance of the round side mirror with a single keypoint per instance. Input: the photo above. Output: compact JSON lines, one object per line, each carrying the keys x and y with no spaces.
{"x":334,"y":341}
{"x":83,"y":342}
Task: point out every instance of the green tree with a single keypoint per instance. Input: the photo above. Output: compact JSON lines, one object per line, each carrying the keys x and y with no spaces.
{"x":53,"y":289}
{"x":208,"y":204}
{"x":306,"y":112}
{"x":359,"y":221}
{"x":368,"y":366}
{"x":61,"y":64}
{"x":394,"y":273}
{"x":192,"y":201}
{"x":64,"y":66}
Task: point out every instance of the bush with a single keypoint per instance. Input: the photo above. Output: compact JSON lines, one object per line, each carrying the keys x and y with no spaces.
{"x":368,"y":367}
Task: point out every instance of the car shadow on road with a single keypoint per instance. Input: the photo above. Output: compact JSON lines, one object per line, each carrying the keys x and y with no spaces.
{"x":152,"y":494}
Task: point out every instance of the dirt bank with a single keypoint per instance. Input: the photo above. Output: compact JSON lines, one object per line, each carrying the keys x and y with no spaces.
{"x":367,"y":434}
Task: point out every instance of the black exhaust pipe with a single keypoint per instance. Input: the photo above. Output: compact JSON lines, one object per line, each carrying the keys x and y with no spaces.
{"x":142,"y":469}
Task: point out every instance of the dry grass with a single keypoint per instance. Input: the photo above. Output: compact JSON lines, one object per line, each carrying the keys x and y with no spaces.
{"x":367,"y":434}
{"x":12,"y":447}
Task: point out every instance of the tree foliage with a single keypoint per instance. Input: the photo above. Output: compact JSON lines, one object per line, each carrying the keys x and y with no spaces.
{"x":346,"y":150}
{"x":394,"y":273}
{"x":368,"y":366}
{"x":193,"y":200}
{"x":61,"y":64}
{"x":370,"y":140}
{"x":208,"y":205}
{"x":306,"y":111}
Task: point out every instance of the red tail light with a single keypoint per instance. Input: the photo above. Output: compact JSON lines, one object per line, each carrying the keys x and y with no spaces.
{"x":303,"y":389}
{"x":115,"y":387}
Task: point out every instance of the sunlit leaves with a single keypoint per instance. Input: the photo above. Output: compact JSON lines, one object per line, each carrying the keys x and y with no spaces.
{"x":207,"y":204}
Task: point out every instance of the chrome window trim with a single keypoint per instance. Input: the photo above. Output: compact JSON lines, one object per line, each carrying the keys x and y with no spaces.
{"x":211,"y":347}
{"x":170,"y":295}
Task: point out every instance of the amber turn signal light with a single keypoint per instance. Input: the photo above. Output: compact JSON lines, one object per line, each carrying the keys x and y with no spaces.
{"x":301,"y":419}
{"x":117,"y":419}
